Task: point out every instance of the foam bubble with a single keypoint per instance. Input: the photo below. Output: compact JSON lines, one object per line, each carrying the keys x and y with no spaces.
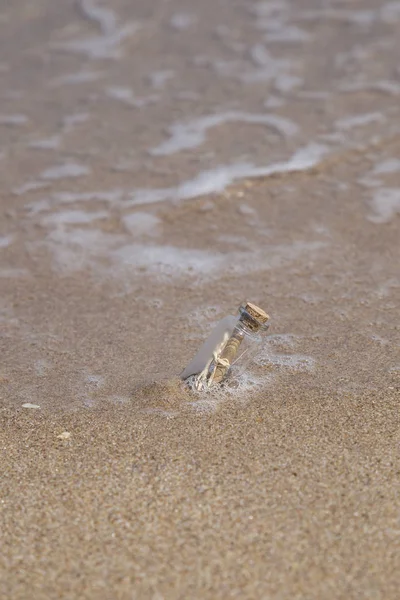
{"x":105,"y":18}
{"x":101,"y":46}
{"x":111,"y":196}
{"x":295,"y":362}
{"x":159,"y":78}
{"x":286,"y":33}
{"x":50,"y":143}
{"x":74,"y":249}
{"x":217,"y":179}
{"x":390,"y":165}
{"x":141,"y":223}
{"x":383,"y":85}
{"x":13,"y":120}
{"x":172,"y":261}
{"x":65,"y":170}
{"x":77,"y":78}
{"x":30,"y":186}
{"x":181,"y":21}
{"x":6,"y":240}
{"x":390,"y":12}
{"x":192,"y":134}
{"x":169,"y":259}
{"x":359,"y":120}
{"x":385,"y":204}
{"x":13,"y":273}
{"x":126,"y":96}
{"x":238,"y":387}
{"x":70,"y":121}
{"x":286,"y":83}
{"x":71,"y":217}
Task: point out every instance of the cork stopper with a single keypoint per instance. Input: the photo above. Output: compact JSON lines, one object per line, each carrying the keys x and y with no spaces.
{"x":256,"y":312}
{"x":254,"y":316}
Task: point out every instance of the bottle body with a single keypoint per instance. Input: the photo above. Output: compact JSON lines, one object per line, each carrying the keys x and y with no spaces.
{"x":233,"y":351}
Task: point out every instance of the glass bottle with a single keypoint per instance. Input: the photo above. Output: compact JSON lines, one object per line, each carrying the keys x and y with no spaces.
{"x":231,"y":350}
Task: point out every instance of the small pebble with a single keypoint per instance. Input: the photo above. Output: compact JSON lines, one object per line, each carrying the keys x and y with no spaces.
{"x":29,"y":405}
{"x":65,"y":435}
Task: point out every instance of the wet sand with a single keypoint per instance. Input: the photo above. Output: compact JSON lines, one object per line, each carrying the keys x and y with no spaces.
{"x":157,"y":169}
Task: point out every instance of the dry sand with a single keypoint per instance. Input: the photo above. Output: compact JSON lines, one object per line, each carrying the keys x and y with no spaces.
{"x":286,"y":489}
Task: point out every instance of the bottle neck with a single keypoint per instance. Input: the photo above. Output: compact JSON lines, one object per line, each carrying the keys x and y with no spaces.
{"x":242,"y":329}
{"x":250,"y":324}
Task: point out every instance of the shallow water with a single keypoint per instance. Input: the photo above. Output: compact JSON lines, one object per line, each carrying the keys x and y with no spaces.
{"x":158,"y":158}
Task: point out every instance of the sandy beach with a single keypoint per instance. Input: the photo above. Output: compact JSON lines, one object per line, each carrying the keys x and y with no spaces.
{"x":160,"y":163}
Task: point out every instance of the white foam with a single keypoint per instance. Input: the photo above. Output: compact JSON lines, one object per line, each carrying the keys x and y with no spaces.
{"x":369,"y":182}
{"x":169,"y":260}
{"x":13,"y":120}
{"x":274,"y":102}
{"x":295,"y":362}
{"x":282,"y":32}
{"x":212,"y":181}
{"x":269,"y":8}
{"x":189,"y":135}
{"x":76,"y":78}
{"x":385,"y":204}
{"x":268,"y":67}
{"x":70,"y":121}
{"x":245,"y":209}
{"x":105,"y":18}
{"x":385,"y":289}
{"x":381,"y":340}
{"x":126,"y":95}
{"x":159,"y":78}
{"x":238,"y":386}
{"x":313,"y":94}
{"x":101,"y":46}
{"x":352,"y":121}
{"x":50,"y":143}
{"x":30,"y":186}
{"x":70,"y":217}
{"x":390,"y":12}
{"x":357,"y":17}
{"x":94,"y":380}
{"x":181,"y":21}
{"x":74,"y":249}
{"x":65,"y":170}
{"x":13,"y":273}
{"x":6,"y":240}
{"x":111,"y":196}
{"x":390,"y":165}
{"x":287,"y":83}
{"x":387,"y":86}
{"x":262,"y":58}
{"x":282,"y":339}
{"x":141,"y":223}
{"x":216,"y":180}
{"x":123,"y":94}
{"x":272,"y":17}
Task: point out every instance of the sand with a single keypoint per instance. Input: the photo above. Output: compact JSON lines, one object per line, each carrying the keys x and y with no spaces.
{"x":117,"y":259}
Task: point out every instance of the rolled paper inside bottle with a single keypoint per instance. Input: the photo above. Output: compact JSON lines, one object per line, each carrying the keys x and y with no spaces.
{"x":227,"y":357}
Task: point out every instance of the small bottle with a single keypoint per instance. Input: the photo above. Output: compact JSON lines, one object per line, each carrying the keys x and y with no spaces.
{"x":237,"y":342}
